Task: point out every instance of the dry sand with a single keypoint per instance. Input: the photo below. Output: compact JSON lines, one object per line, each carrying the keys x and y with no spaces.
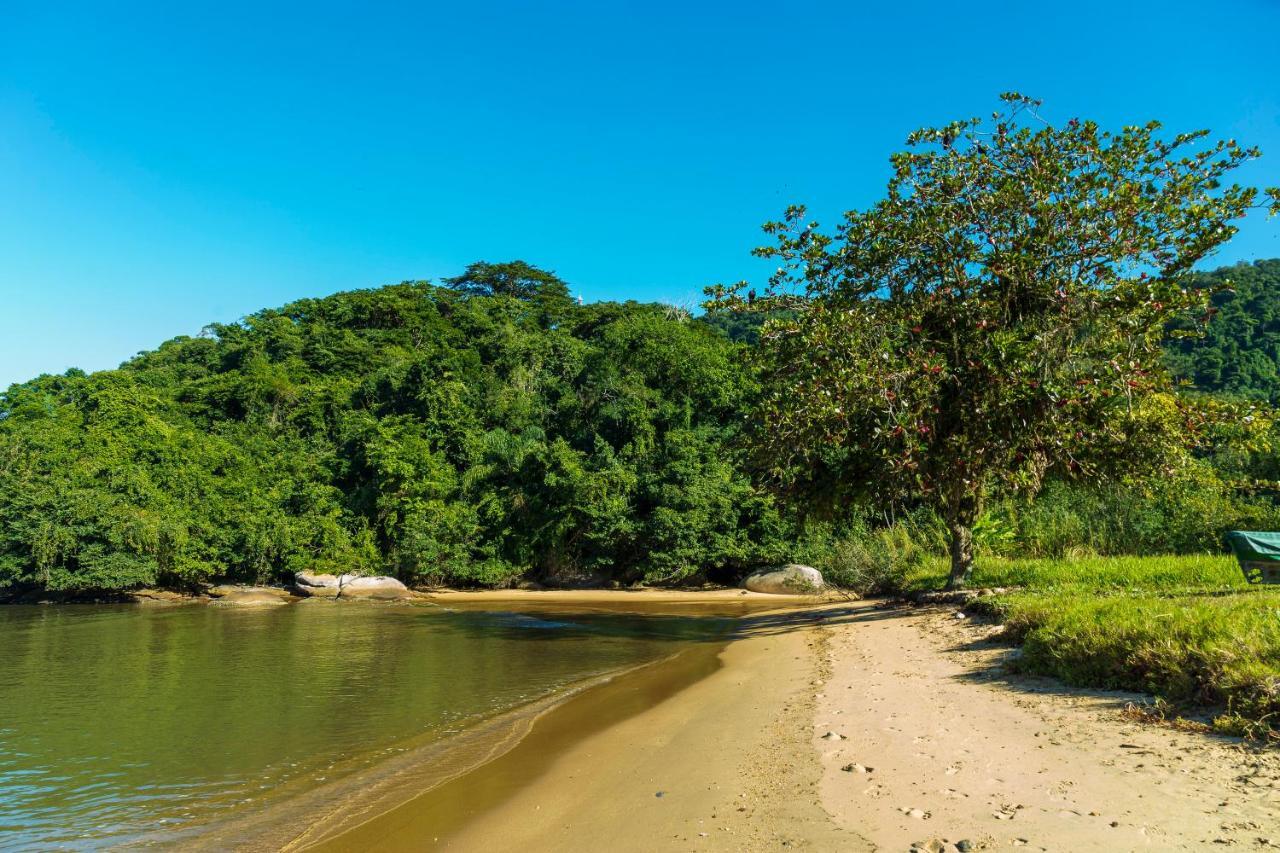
{"x":942,"y":746}
{"x":959,"y":749}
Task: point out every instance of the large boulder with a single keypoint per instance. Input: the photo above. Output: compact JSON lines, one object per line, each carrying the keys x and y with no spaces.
{"x":793,"y":579}
{"x":248,"y":596}
{"x":381,"y":588}
{"x":315,"y":585}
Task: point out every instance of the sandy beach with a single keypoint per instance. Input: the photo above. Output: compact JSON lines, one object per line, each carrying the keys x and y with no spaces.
{"x":830,"y":725}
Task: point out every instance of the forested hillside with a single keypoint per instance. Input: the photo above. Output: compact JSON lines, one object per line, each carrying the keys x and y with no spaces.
{"x":490,"y":430}
{"x":470,"y":433}
{"x":1239,"y":352}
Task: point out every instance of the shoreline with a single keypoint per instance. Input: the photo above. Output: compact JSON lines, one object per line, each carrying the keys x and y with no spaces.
{"x":643,"y":759}
{"x":795,"y":722}
{"x":851,"y":726}
{"x":331,"y":809}
{"x":641,"y":598}
{"x":461,"y":766}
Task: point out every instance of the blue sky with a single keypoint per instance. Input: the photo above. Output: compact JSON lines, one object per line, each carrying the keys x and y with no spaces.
{"x":166,"y":165}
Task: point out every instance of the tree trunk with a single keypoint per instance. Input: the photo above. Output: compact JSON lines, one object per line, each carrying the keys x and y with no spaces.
{"x":961,"y":555}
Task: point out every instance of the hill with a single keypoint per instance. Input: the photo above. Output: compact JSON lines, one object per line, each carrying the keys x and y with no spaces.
{"x":465,"y":434}
{"x":1239,"y":352}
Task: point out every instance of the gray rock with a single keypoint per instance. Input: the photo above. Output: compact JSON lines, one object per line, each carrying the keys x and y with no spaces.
{"x":380,"y":588}
{"x":316,"y":585}
{"x":158,"y":597}
{"x":248,"y":596}
{"x":793,"y":579}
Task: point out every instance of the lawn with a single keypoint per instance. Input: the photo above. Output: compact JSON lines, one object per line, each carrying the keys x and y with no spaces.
{"x":1188,"y":629}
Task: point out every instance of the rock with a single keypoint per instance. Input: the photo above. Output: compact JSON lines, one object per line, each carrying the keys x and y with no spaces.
{"x":316,"y":585}
{"x":964,"y":845}
{"x":248,"y":596}
{"x":933,"y":845}
{"x":576,"y":580}
{"x":380,"y":588}
{"x":225,"y":589}
{"x":855,"y":768}
{"x":832,"y":736}
{"x":158,"y":597}
{"x":349,"y":586}
{"x":793,"y":579}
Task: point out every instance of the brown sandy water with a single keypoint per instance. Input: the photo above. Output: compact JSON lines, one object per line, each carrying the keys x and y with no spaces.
{"x":432,"y":817}
{"x":422,"y":798}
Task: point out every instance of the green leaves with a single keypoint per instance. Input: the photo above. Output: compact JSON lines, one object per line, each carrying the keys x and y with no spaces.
{"x":461,"y":435}
{"x":996,"y":317}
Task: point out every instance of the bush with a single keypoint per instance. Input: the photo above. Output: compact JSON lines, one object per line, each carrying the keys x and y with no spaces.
{"x":867,"y":559}
{"x":1185,"y":513}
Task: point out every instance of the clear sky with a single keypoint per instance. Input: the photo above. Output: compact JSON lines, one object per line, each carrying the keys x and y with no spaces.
{"x":164,"y":165}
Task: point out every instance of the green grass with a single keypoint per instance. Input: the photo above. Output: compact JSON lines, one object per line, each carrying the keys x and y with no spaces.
{"x":1187,"y":629}
{"x":1159,"y":575}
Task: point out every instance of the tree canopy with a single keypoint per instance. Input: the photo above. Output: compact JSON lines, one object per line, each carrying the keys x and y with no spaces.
{"x":998,"y":316}
{"x":1238,"y":351}
{"x":440,"y":434}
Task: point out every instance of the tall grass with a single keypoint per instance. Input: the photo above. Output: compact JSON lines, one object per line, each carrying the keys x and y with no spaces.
{"x":1188,"y":513}
{"x":1191,"y":649}
{"x":1161,"y":575}
{"x":1118,"y":587}
{"x":1188,"y":629}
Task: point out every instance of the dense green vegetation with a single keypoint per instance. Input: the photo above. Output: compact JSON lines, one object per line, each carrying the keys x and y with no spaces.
{"x":470,"y":434}
{"x":1238,"y":350}
{"x":458,"y":435}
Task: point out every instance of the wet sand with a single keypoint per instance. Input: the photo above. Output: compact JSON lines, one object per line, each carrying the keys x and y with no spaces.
{"x":708,"y":750}
{"x":435,"y":789}
{"x":711,"y":602}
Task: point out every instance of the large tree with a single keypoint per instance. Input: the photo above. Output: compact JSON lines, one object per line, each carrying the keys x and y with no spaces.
{"x":544,"y":290}
{"x":996,"y":316}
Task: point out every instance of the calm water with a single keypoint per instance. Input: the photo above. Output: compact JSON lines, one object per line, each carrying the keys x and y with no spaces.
{"x":118,"y":722}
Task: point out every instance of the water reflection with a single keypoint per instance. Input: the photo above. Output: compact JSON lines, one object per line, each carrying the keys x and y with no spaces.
{"x":116,"y":721}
